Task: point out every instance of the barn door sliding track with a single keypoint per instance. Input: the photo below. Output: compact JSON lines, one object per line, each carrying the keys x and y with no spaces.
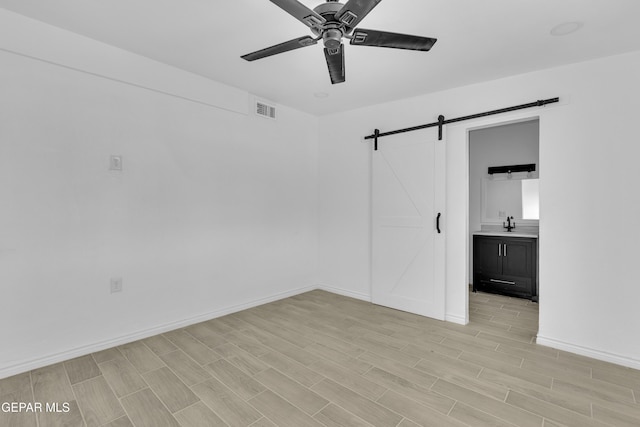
{"x":441,"y":120}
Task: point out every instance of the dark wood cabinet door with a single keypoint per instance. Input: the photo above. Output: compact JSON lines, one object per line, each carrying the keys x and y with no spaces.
{"x":517,"y":257}
{"x":505,"y":265}
{"x":487,"y":257}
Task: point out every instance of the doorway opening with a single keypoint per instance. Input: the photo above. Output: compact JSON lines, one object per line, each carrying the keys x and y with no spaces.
{"x":503,"y":259}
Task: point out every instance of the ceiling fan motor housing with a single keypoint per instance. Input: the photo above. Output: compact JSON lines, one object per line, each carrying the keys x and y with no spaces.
{"x":332,"y":38}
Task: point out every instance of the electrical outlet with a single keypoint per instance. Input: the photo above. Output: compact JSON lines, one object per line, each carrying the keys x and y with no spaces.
{"x":116,"y":284}
{"x":502,"y":214}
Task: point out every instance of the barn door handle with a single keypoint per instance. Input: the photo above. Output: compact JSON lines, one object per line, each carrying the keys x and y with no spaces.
{"x":438,"y":222}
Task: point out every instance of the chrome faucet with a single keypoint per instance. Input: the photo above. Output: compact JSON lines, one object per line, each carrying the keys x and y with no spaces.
{"x":509,"y":227}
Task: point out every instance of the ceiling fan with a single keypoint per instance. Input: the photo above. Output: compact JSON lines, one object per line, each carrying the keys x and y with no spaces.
{"x":332,"y":21}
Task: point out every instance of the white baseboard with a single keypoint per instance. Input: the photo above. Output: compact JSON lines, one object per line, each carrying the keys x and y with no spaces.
{"x":460,"y":320}
{"x":344,"y":292}
{"x":41,"y":362}
{"x":589,"y":352}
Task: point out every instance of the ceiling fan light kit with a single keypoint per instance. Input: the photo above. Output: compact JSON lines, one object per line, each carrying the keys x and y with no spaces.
{"x":333,"y":21}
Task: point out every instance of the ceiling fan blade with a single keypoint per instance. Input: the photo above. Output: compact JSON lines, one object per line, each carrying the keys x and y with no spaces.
{"x":335,"y":63}
{"x":280,"y":48}
{"x":301,"y":12}
{"x":363,"y":37}
{"x":355,"y":10}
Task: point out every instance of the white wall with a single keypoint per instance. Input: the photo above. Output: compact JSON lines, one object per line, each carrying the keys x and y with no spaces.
{"x":510,"y":144}
{"x":216,"y":209}
{"x":588,"y":240}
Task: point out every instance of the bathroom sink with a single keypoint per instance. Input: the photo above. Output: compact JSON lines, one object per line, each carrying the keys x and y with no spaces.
{"x":507,"y":233}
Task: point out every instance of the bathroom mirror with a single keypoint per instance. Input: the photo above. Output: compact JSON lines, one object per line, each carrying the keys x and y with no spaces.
{"x":516,"y":196}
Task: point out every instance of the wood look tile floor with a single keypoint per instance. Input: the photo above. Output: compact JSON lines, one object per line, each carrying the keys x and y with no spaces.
{"x":320,"y":359}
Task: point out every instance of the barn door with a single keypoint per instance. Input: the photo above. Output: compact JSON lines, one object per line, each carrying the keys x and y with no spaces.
{"x":408,"y":252}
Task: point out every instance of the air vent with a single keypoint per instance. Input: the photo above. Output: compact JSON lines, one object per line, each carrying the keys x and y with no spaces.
{"x":265,"y":110}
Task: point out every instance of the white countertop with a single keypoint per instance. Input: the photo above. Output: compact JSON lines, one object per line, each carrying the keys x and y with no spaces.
{"x":506,"y":234}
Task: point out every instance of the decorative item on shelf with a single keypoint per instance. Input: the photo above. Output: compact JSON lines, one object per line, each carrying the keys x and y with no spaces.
{"x":509,"y":227}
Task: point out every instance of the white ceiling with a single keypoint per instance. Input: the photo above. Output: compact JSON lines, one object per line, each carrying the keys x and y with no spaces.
{"x":478,"y":40}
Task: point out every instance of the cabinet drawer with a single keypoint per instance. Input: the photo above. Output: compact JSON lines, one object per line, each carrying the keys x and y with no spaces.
{"x":520,"y":286}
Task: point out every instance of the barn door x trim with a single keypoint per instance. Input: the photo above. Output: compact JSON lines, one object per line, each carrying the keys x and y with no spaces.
{"x":441,"y":120}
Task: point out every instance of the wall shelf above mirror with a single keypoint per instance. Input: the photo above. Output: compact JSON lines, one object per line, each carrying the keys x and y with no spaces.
{"x":514,"y":196}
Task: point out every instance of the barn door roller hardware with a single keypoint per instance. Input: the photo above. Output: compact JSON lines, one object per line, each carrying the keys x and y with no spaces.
{"x":442,"y":121}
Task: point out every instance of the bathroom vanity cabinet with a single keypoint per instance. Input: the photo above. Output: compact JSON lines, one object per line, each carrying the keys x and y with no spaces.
{"x":505,"y":265}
